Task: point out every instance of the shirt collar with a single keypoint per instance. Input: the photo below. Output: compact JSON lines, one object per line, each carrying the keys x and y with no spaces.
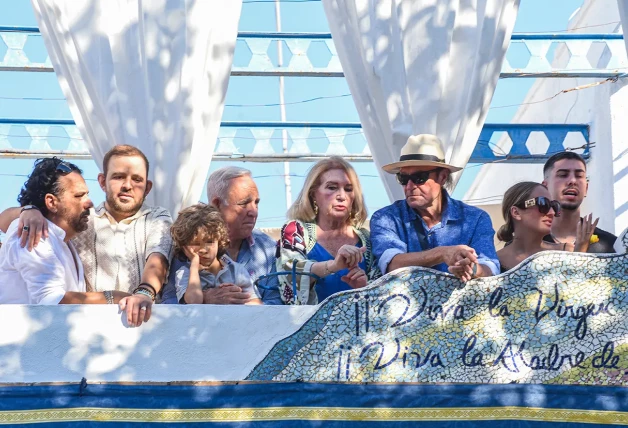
{"x":101,"y":211}
{"x":56,"y":230}
{"x":251,"y":239}
{"x":451,"y":212}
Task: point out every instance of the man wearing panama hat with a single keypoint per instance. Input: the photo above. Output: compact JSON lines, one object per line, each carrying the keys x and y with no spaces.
{"x":429,"y":228}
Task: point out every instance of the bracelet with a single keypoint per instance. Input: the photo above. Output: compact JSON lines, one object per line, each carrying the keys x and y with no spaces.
{"x":108,"y":296}
{"x":146,"y":284}
{"x":327,"y":271}
{"x":148,"y":290}
{"x":144,"y":292}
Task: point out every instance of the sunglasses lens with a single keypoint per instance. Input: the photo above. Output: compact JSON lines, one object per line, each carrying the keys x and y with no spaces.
{"x":417,"y":178}
{"x":556,"y":207}
{"x":403,"y":179}
{"x":420,"y":178}
{"x":543,"y":205}
{"x":64,"y":167}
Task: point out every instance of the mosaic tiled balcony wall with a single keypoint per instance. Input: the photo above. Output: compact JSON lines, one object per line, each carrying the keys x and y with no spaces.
{"x":559,"y":318}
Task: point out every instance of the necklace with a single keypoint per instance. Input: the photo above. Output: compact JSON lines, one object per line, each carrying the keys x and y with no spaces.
{"x":562,"y":242}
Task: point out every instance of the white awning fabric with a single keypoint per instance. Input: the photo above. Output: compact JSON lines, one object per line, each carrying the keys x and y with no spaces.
{"x":421,"y":66}
{"x":152,"y":74}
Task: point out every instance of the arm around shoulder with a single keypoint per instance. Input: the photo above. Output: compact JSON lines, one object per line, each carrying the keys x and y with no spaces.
{"x":7,"y":216}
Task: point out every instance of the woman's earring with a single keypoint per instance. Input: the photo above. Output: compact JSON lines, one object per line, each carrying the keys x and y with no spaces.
{"x":315,"y":208}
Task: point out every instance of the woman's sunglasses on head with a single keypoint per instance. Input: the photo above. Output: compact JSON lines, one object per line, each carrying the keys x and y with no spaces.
{"x":417,"y":178}
{"x":543,"y":204}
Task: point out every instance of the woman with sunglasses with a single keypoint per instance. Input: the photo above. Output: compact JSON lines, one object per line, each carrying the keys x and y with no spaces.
{"x":529,"y":212}
{"x":324,"y":240}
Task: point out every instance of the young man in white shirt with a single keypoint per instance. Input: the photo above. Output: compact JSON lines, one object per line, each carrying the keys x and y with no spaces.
{"x":52,"y":273}
{"x":127,"y":246}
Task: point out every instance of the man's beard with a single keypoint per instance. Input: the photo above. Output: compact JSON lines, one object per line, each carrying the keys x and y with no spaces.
{"x":76,"y":223}
{"x":127,"y":209}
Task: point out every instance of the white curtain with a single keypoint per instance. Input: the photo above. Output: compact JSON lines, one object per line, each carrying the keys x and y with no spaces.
{"x":421,"y":66}
{"x":150,"y":73}
{"x":623,"y":14}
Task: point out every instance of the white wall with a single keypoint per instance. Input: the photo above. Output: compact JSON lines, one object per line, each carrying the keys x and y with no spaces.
{"x":180,"y":343}
{"x":602,"y":107}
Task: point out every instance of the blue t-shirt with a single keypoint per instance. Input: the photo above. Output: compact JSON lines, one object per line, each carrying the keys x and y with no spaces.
{"x":331,"y":284}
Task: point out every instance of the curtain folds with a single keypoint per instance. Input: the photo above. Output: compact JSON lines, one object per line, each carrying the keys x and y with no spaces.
{"x":421,"y":66}
{"x":623,"y":14}
{"x":152,"y":74}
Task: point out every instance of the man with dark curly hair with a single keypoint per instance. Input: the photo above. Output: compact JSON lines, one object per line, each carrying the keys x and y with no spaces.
{"x":111,"y":264}
{"x":52,"y":273}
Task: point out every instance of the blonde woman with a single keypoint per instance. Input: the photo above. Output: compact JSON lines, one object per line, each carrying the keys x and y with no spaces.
{"x":324,"y":236}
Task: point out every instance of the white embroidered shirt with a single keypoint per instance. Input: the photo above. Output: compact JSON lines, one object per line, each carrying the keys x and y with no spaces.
{"x":114,"y":254}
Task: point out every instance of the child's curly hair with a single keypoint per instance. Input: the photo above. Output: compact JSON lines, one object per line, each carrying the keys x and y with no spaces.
{"x":202,"y":221}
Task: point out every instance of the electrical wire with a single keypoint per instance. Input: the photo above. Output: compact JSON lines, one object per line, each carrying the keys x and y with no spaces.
{"x":572,"y":29}
{"x":31,"y":99}
{"x":307,"y":100}
{"x":280,"y":1}
{"x":329,"y":97}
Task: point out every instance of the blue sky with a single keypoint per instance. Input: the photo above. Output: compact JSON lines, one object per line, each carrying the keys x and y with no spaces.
{"x":534,"y":16}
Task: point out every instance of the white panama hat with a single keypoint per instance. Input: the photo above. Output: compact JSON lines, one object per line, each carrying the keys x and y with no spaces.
{"x":421,"y":150}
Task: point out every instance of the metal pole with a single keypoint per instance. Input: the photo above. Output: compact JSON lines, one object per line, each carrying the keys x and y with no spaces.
{"x":282,"y":108}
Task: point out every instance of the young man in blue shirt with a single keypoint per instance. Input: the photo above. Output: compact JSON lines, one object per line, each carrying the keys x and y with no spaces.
{"x":429,"y":228}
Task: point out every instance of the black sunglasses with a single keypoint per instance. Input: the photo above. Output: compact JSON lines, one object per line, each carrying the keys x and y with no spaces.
{"x":64,"y":168}
{"x":417,"y":178}
{"x":543,"y":204}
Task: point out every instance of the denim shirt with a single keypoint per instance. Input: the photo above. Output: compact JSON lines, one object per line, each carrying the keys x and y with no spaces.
{"x":393,"y":232}
{"x":257,"y":255}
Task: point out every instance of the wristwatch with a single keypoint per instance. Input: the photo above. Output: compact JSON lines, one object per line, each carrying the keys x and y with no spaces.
{"x":29,"y":207}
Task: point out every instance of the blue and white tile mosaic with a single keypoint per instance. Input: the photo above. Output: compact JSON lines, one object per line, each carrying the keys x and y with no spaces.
{"x":558,"y":318}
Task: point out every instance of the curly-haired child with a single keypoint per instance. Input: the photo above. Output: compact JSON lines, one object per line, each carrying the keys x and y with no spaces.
{"x":200,"y":238}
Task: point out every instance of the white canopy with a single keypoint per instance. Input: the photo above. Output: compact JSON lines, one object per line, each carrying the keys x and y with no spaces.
{"x":152,"y":74}
{"x":421,"y":66}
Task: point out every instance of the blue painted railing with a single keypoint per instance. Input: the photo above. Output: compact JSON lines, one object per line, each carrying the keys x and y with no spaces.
{"x":314,"y":54}
{"x":512,"y":143}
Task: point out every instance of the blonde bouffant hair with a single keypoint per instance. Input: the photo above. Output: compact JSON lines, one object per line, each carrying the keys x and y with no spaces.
{"x":303,"y":208}
{"x":202,"y":221}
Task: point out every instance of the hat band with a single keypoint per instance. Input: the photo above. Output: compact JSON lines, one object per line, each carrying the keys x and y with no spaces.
{"x":431,"y":158}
